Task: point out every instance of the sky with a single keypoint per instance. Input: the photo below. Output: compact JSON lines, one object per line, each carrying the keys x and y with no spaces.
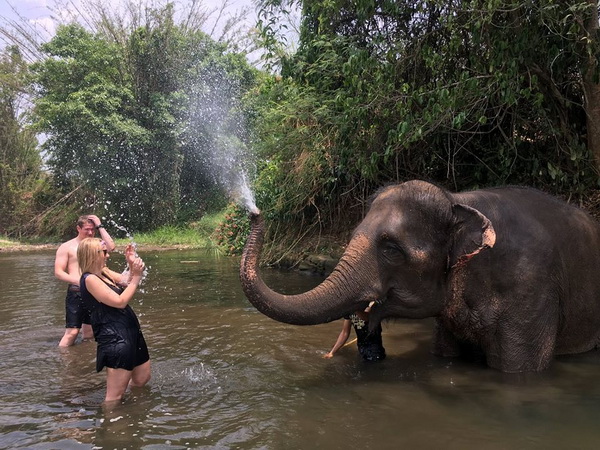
{"x":38,"y":12}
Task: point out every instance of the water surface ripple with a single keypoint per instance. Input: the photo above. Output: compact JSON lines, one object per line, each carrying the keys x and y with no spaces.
{"x":225,"y":376}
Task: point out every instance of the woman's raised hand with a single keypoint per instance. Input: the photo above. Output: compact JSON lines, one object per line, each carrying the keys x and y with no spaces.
{"x":137,"y":266}
{"x":130,"y":254}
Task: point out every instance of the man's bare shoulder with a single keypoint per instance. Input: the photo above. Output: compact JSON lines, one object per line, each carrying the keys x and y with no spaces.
{"x":68,"y":246}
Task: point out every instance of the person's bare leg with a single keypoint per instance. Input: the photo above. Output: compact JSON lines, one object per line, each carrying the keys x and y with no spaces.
{"x":69,"y":337}
{"x":140,"y":375}
{"x":116,"y":383}
{"x":86,"y":331}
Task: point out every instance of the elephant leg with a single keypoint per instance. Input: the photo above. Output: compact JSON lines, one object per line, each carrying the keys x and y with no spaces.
{"x":444,"y":342}
{"x":522,"y":346}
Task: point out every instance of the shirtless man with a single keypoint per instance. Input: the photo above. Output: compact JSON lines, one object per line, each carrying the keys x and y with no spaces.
{"x":66,"y":268}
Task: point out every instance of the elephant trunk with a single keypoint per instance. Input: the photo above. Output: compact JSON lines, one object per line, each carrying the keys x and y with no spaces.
{"x":346,"y":290}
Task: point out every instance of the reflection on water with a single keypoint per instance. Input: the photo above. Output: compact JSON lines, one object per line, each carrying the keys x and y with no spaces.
{"x":225,"y":376}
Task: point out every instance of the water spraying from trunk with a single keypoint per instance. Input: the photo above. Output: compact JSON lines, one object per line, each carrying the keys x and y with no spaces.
{"x":244,"y":196}
{"x":219,"y":136}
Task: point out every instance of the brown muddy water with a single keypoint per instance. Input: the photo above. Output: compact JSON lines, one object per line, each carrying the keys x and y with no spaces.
{"x":227,"y":377}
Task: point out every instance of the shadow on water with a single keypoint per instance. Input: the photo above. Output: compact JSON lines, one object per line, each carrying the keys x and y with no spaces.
{"x":225,"y":376}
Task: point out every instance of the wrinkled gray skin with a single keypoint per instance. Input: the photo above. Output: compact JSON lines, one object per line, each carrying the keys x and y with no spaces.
{"x":509,"y":271}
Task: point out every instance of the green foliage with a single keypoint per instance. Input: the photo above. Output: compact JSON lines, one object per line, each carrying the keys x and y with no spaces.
{"x":172,"y":236}
{"x":233,"y":230}
{"x":57,"y":215}
{"x":468,"y":94}
{"x":7,"y":242}
{"x":197,"y":234}
{"x":118,"y":113}
{"x":84,"y":104}
{"x":20,"y":162}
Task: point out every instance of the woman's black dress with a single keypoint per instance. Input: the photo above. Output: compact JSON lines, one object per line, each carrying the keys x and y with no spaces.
{"x":117,"y":331}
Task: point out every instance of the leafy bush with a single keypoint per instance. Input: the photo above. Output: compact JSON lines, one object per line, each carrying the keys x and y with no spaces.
{"x":232,"y":232}
{"x":402,"y":90}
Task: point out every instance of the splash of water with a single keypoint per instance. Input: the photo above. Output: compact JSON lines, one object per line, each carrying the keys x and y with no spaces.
{"x":244,"y":196}
{"x":125,"y":230}
{"x":134,"y":244}
{"x":217,"y":127}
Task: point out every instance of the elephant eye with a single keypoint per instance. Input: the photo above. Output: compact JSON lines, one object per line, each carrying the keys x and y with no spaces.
{"x":391,"y":250}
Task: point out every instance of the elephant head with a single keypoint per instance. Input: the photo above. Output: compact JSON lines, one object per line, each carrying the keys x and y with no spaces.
{"x":402,"y":255}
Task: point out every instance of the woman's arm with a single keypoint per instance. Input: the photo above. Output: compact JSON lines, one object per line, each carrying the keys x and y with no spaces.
{"x":117,"y":277}
{"x":341,"y":340}
{"x":106,"y":295}
{"x":123,"y":278}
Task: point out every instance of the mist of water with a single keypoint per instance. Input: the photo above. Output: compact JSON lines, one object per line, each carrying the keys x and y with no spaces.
{"x":244,"y":196}
{"x":214,"y":146}
{"x":218,"y":129}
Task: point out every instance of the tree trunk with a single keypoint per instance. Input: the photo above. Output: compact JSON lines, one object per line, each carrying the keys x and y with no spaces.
{"x":591,"y":87}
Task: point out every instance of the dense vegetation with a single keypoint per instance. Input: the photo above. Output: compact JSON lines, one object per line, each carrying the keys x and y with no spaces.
{"x":131,"y":114}
{"x":20,"y":161}
{"x":465,"y":93}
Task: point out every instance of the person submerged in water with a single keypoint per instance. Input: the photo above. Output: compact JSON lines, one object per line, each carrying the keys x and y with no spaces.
{"x":121,"y":346}
{"x":370,"y":343}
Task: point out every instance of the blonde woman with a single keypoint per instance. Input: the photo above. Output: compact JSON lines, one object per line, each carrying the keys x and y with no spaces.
{"x":120,"y":344}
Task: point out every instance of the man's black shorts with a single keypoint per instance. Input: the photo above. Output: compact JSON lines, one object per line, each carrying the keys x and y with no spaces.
{"x":76,"y":313}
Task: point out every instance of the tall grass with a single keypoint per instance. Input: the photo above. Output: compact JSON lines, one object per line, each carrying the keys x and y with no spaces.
{"x":193,"y":235}
{"x":6,"y":242}
{"x":200,"y":234}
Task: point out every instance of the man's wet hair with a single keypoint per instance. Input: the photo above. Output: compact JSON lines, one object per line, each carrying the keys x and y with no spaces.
{"x":83,"y":220}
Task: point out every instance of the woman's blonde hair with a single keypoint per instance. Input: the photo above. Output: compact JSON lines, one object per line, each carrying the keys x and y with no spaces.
{"x":89,"y":255}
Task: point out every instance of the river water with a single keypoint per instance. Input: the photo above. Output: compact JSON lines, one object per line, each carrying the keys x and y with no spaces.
{"x":226,"y":377}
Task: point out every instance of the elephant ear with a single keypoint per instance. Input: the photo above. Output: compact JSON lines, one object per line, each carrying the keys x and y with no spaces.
{"x":472,"y":233}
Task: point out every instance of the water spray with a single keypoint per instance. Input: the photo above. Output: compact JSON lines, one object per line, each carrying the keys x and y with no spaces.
{"x":218,"y":128}
{"x":134,"y":245}
{"x":244,"y":196}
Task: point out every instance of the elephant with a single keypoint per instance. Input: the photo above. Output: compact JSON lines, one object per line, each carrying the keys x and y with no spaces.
{"x":509,"y":272}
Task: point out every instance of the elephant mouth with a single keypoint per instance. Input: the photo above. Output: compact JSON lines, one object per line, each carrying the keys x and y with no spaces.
{"x":376,"y":311}
{"x":371,"y":302}
{"x":377,"y":303}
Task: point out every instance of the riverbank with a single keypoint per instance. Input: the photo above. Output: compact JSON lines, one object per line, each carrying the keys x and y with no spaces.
{"x":321,"y":262}
{"x":8,"y":247}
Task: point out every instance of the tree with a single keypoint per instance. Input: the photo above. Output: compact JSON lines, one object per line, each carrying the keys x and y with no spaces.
{"x":112,"y":99}
{"x":116,"y":110}
{"x":465,"y":93}
{"x":20,"y":162}
{"x":85,"y":106}
{"x":590,"y":41}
